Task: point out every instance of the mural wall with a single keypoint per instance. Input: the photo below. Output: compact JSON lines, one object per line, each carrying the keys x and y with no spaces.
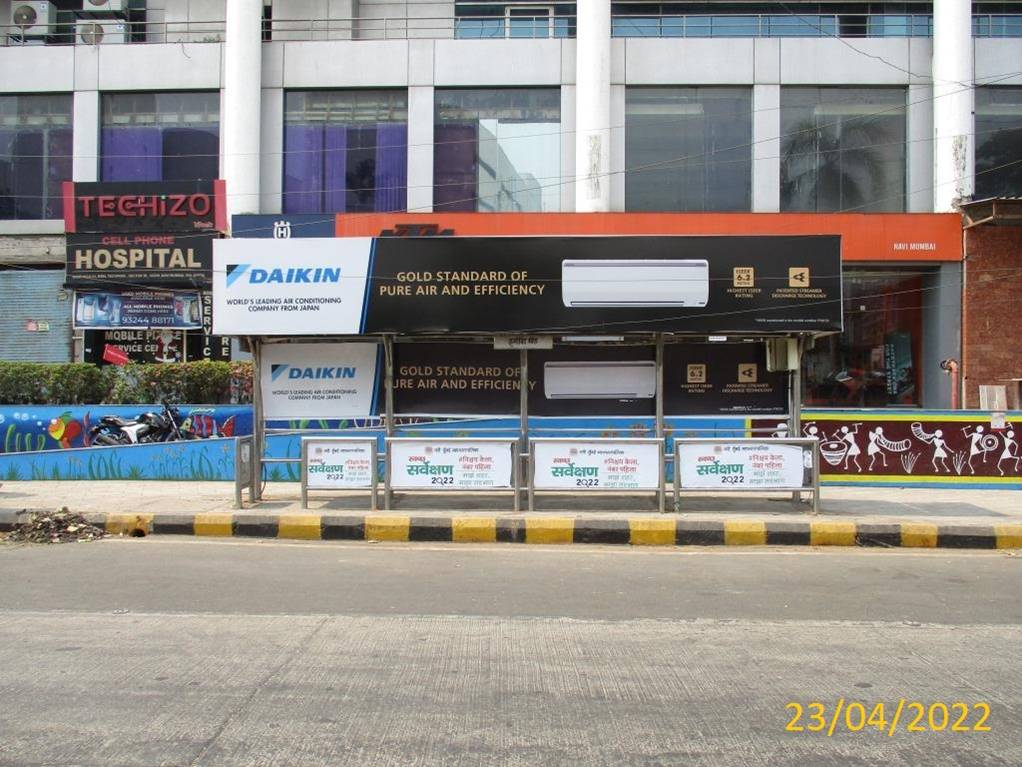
{"x":30,"y":428}
{"x":914,"y":448}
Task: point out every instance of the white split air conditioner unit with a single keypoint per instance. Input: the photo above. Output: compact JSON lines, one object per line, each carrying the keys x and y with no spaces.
{"x":653,"y":283}
{"x":104,"y":6}
{"x":91,"y":32}
{"x":33,"y":19}
{"x":631,"y":379}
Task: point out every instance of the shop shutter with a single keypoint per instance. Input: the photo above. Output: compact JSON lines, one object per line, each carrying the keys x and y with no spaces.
{"x":34,"y":296}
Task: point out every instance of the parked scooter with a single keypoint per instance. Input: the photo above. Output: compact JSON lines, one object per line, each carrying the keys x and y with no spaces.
{"x":164,"y":426}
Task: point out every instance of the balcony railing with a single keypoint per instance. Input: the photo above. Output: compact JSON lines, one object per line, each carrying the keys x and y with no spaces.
{"x":529,"y":25}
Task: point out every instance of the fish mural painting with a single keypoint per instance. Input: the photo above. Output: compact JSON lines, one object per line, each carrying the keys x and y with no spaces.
{"x":31,"y":428}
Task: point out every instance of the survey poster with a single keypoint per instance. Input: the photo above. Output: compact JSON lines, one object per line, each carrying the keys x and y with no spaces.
{"x":711,"y":378}
{"x":605,"y":284}
{"x":318,"y":380}
{"x":137,"y":309}
{"x":583,"y":465}
{"x":333,"y":464}
{"x":738,"y":465}
{"x":139,"y":260}
{"x":453,"y":465}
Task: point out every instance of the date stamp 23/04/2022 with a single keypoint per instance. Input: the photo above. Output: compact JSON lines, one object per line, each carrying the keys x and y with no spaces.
{"x":904,"y":716}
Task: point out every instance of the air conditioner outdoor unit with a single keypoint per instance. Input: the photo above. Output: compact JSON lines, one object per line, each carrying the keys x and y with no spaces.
{"x":646,"y":283}
{"x":631,"y":379}
{"x":104,"y":6}
{"x":32,"y":18}
{"x":92,"y":32}
{"x":781,"y":354}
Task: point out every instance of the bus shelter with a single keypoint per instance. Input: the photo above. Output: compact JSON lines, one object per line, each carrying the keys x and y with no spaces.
{"x":556,"y":364}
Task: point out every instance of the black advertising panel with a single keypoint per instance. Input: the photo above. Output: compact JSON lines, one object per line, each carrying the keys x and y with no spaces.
{"x":136,"y":260}
{"x":766,"y":284}
{"x":475,"y":379}
{"x":144,"y":206}
{"x":702,"y":379}
{"x":455,"y":379}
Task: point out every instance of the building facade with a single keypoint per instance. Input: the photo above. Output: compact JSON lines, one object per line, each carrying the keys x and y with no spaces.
{"x":325,"y":107}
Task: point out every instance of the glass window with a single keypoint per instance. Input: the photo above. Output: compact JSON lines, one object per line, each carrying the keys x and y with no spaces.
{"x":345,"y":151}
{"x":172,"y":136}
{"x":688,"y":149}
{"x":875,"y":362}
{"x":513,"y":20}
{"x":998,"y":141}
{"x":35,"y":155}
{"x":843,"y":149}
{"x":497,"y":149}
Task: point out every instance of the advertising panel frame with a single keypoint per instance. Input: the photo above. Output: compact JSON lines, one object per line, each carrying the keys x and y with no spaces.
{"x":814,"y":451}
{"x":373,"y":483}
{"x":511,"y":442}
{"x":660,"y":490}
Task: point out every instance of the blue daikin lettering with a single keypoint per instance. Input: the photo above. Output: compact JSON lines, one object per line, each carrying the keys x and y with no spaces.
{"x":295,"y":372}
{"x":308,"y":275}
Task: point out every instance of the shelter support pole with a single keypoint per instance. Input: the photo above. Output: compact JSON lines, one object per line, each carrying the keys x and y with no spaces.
{"x":258,"y":424}
{"x":795,"y":400}
{"x":661,"y":490}
{"x":388,"y":398}
{"x":659,"y":385}
{"x":523,"y":414}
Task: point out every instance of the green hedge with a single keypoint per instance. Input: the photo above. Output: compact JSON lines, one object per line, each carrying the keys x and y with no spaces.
{"x":31,"y":383}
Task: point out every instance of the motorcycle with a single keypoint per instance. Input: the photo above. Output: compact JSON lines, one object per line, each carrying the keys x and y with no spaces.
{"x":164,"y":426}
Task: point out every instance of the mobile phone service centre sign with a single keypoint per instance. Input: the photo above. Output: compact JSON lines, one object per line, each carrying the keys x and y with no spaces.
{"x":324,"y":380}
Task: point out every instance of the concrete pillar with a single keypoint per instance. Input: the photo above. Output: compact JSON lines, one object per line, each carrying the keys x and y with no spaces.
{"x":240,"y":104}
{"x":766,"y":148}
{"x":953,"y":103}
{"x":85,"y":116}
{"x":420,"y":149}
{"x":592,"y":107}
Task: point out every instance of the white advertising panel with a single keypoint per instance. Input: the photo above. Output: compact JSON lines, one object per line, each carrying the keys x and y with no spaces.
{"x":603,"y":465}
{"x":339,"y":464}
{"x":290,"y":287}
{"x":328,"y":380}
{"x":451,"y":465}
{"x":706,"y":466}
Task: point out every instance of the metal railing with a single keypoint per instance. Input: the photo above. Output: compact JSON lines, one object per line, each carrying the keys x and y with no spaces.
{"x":489,"y":27}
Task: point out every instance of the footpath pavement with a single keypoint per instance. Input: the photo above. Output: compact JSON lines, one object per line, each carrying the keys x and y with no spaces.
{"x":849,"y":516}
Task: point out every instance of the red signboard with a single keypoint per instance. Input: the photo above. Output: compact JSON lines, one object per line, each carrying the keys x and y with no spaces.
{"x":864,"y":236}
{"x":115,"y":355}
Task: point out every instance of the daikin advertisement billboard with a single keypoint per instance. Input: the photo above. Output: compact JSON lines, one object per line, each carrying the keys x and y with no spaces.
{"x":438,"y":285}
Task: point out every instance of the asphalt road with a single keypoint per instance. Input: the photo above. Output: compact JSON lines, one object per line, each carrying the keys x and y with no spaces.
{"x":184,"y":652}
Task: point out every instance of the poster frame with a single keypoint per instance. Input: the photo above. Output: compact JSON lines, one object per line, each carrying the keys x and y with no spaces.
{"x":661,"y":489}
{"x":512,"y":442}
{"x":306,"y":441}
{"x":813,"y":487}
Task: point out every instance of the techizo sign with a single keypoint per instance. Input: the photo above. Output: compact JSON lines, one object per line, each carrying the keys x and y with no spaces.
{"x":145,"y":206}
{"x":139,"y":260}
{"x":431,"y":285}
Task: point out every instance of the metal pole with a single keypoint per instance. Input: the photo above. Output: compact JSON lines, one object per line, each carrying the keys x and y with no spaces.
{"x":258,"y":425}
{"x":516,"y":474}
{"x":795,"y":403}
{"x":388,"y":384}
{"x":523,"y":414}
{"x":660,"y":385}
{"x":816,"y":477}
{"x":305,"y":474}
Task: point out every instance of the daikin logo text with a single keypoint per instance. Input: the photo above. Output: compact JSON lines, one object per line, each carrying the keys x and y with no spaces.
{"x":305,"y":275}
{"x":295,"y":372}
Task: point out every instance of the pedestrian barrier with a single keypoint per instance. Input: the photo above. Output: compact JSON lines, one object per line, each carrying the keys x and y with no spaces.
{"x":452,"y":464}
{"x":339,"y":463}
{"x":596,"y":465}
{"x":747,"y":465}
